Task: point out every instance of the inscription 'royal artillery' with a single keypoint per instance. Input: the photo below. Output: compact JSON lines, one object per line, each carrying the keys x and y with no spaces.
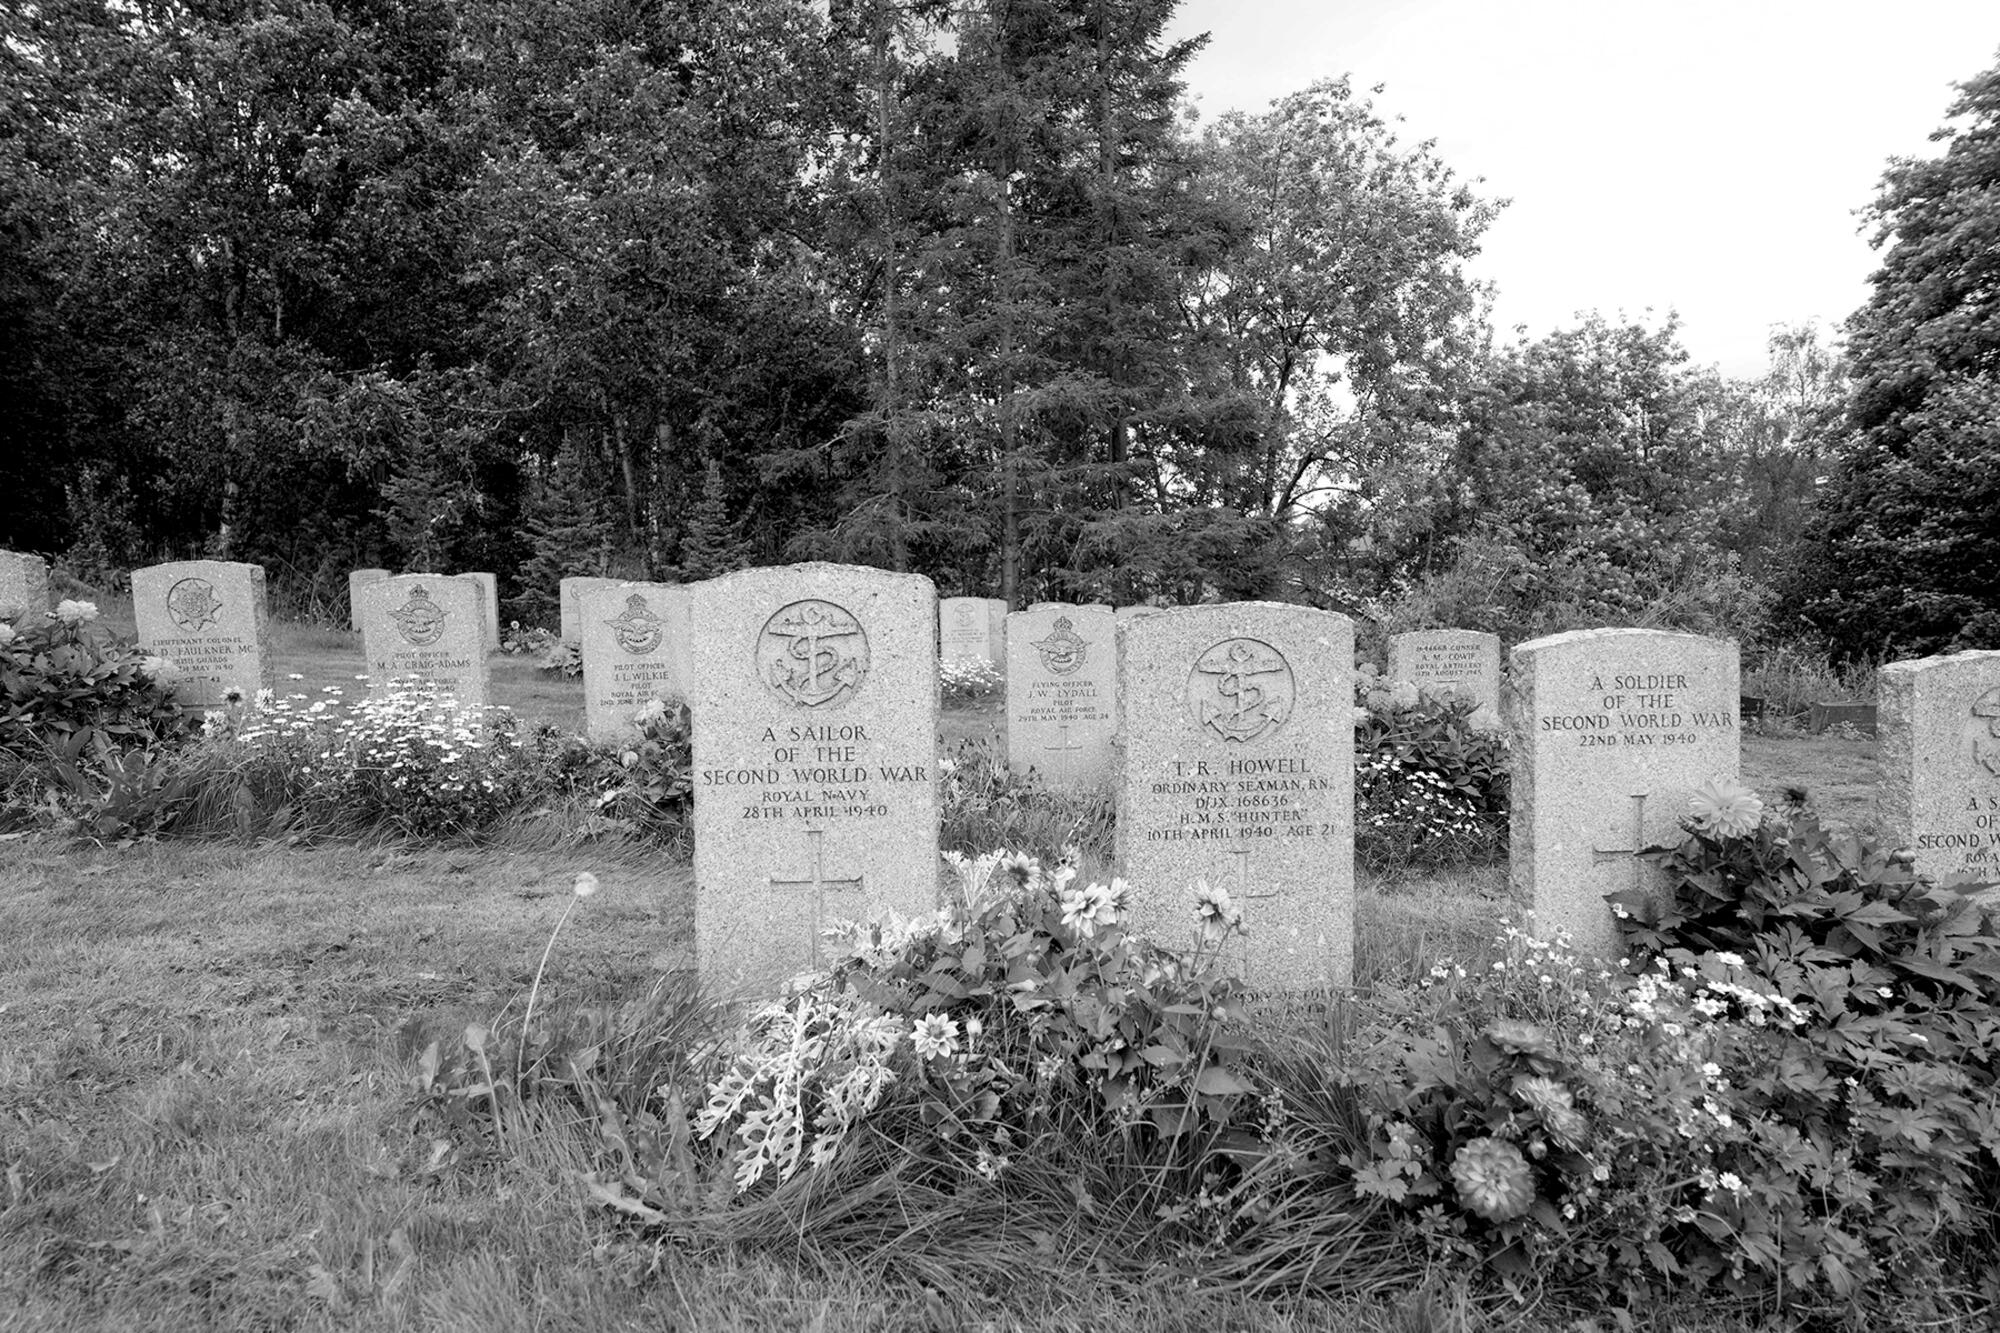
{"x":193,"y":606}
{"x":419,"y":620}
{"x":636,"y":629}
{"x":813,"y":653}
{"x":1240,"y":689}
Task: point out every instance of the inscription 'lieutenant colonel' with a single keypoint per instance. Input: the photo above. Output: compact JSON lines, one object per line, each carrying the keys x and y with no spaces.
{"x":813,"y":690}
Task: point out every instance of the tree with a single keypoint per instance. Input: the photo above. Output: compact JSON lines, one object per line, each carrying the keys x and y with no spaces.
{"x":1905,"y":553}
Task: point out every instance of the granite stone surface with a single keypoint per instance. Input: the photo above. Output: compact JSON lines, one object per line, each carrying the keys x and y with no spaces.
{"x":814,"y":693}
{"x":1461,"y":661}
{"x":567,"y":591}
{"x":1939,"y":729}
{"x":1236,"y":741}
{"x":430,"y":627}
{"x":1062,"y":693}
{"x":489,"y":587}
{"x":635,"y":642}
{"x":972,"y":628}
{"x":209,"y":618}
{"x":1613,"y":730}
{"x":24,"y":589}
{"x":355,"y":580}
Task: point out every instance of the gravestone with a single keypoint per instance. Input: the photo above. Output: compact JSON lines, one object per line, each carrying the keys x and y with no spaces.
{"x":814,"y":693}
{"x":1614,"y":729}
{"x":1128,"y":613}
{"x":1236,"y":740}
{"x":428,"y":626}
{"x":1062,"y":693}
{"x":489,"y":588}
{"x":1939,"y":724}
{"x":356,"y":579}
{"x":24,"y":589}
{"x":634,"y":641}
{"x":1461,"y":661}
{"x":972,"y":629}
{"x":567,"y":591}
{"x":208,"y":618}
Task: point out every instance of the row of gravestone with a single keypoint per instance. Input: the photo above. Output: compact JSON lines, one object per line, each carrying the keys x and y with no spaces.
{"x":814,"y":691}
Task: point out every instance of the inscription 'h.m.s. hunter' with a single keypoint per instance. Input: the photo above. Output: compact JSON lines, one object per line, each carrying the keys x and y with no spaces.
{"x":812,"y":653}
{"x":1240,"y":689}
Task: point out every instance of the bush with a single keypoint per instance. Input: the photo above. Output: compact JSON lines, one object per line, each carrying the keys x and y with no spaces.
{"x":986,"y":804}
{"x":1430,"y":782}
{"x":641,"y":787}
{"x":72,"y":686}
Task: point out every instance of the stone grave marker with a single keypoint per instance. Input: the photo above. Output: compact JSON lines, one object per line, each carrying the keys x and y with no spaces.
{"x":428,"y":626}
{"x":815,"y":699}
{"x":567,"y":593}
{"x":1939,"y":724}
{"x":1463,"y":661}
{"x":208,"y":618}
{"x":24,"y":589}
{"x":356,"y":579}
{"x":489,"y":587}
{"x":634,"y":650}
{"x":1062,"y":693}
{"x":973,"y":628}
{"x":1236,"y":738}
{"x":1614,"y":729}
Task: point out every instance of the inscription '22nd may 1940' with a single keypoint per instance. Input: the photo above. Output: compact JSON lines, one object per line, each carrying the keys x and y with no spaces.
{"x":1638,"y":710}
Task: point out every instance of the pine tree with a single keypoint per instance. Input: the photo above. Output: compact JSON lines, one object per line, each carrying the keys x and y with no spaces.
{"x":710,"y":544}
{"x":570,"y":530}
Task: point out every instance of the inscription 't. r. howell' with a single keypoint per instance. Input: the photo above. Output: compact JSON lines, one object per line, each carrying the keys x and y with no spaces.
{"x":812,"y":653}
{"x":1240,"y":689}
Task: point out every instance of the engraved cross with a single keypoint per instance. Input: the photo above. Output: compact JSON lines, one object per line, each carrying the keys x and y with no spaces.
{"x":819,"y":884}
{"x":1242,"y":891}
{"x":1065,"y":749}
{"x":1638,"y":840}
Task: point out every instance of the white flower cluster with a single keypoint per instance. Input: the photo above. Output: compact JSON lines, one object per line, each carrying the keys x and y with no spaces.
{"x":71,"y":612}
{"x":968,"y":677}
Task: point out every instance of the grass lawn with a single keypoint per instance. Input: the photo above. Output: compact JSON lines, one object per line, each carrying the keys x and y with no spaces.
{"x":208,"y":1116}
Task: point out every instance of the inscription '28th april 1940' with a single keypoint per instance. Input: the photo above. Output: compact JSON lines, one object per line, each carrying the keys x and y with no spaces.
{"x":1639,"y":711}
{"x":814,"y":772}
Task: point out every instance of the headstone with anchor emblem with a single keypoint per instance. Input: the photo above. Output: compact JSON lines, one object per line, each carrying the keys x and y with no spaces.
{"x":1062,"y":693}
{"x":207,"y":617}
{"x":814,"y":696}
{"x":1939,"y":728}
{"x":634,"y":647}
{"x":1236,"y":741}
{"x":1614,"y":729}
{"x":426,"y":627}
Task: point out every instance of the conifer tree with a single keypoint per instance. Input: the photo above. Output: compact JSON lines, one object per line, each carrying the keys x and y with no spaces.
{"x":710,"y":543}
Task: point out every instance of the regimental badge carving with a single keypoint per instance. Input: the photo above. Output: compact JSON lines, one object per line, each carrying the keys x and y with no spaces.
{"x":1986,"y":749}
{"x":636,"y":628}
{"x":1240,"y":690}
{"x":192,"y":605}
{"x":419,"y":620}
{"x":1064,"y":650}
{"x":813,"y":653}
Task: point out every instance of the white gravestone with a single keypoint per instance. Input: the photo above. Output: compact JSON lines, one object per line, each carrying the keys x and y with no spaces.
{"x":431,"y":627}
{"x":489,"y":588}
{"x":972,"y":629}
{"x":1614,"y":729}
{"x":634,"y":640}
{"x":1236,"y":732}
{"x":24,"y":589}
{"x":1460,"y":661}
{"x":567,"y":592}
{"x":814,"y":697}
{"x":1062,"y":693}
{"x":1939,"y":724}
{"x":208,"y":618}
{"x":356,"y":580}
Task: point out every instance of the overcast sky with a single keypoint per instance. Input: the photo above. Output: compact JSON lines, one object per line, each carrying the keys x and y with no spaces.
{"x":1706,"y":156}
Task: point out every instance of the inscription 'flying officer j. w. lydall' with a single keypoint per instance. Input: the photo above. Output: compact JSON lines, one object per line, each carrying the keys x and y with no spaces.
{"x":1253,"y":682}
{"x":813,"y":653}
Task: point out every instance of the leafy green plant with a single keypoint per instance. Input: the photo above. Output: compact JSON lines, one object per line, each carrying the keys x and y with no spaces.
{"x":561,"y":657}
{"x":1431,"y":776}
{"x":520,"y":641}
{"x":642,"y":786}
{"x":987,"y":804}
{"x":71,"y":678}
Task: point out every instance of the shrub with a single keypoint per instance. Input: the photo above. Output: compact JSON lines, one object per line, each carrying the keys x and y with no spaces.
{"x":987,"y":804}
{"x":642,"y":786}
{"x":561,"y":657}
{"x":1430,"y":782}
{"x":70,"y":684}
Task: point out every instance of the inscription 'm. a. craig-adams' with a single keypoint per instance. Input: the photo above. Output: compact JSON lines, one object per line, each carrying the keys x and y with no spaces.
{"x":192,"y":605}
{"x":812,"y":653}
{"x":1240,"y":690}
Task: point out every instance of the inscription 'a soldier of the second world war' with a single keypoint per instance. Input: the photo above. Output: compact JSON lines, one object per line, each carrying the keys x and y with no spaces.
{"x":1240,"y":690}
{"x":813,"y":653}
